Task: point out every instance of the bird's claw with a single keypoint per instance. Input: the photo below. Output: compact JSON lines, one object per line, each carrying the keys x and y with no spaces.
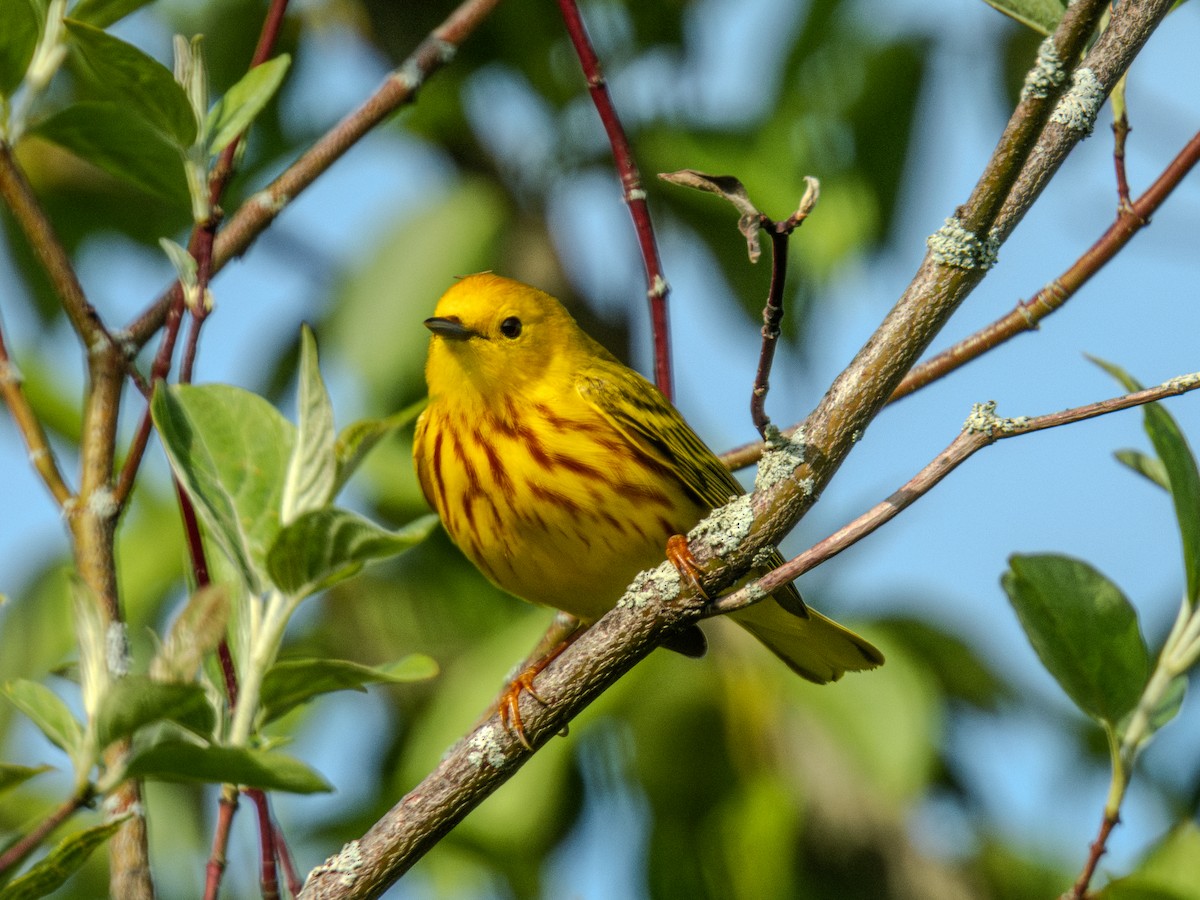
{"x":679,"y":554}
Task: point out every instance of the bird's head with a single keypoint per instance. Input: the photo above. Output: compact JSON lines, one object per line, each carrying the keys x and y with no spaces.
{"x":496,"y":334}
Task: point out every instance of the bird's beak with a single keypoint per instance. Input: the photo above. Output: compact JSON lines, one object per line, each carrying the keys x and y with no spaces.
{"x":450,"y":328}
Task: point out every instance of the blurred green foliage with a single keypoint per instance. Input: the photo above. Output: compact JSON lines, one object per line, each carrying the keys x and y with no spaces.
{"x":736,"y":779}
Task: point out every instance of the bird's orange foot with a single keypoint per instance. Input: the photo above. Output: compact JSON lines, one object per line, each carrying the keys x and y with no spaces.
{"x":509,"y":702}
{"x":679,"y":554}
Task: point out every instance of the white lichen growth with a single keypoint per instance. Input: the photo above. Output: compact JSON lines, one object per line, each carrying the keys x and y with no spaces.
{"x":344,"y":865}
{"x":983,"y":420}
{"x":782,"y":456}
{"x":485,"y":748}
{"x":661,"y":581}
{"x":270,"y":202}
{"x":1183,"y":382}
{"x":953,"y":245}
{"x":102,"y":503}
{"x":116,"y":649}
{"x":1047,"y":72}
{"x":723,"y":530}
{"x":1079,"y":106}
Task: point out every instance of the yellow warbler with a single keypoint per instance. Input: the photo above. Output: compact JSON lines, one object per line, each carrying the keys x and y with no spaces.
{"x":561,"y":473}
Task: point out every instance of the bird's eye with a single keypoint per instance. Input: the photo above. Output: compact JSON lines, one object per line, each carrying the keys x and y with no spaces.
{"x":511,"y":327}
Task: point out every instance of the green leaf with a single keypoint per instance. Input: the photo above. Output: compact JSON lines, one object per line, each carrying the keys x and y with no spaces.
{"x":1040,"y":15}
{"x":113,"y":137}
{"x":65,"y":860}
{"x":12,"y":775}
{"x":123,"y":72}
{"x":1149,"y":467}
{"x":103,"y":13}
{"x":136,"y":700}
{"x":18,"y":40}
{"x":195,"y":633}
{"x":234,"y":112}
{"x":327,"y":545}
{"x":229,"y":448}
{"x":271,"y":771}
{"x":47,"y":711}
{"x":360,"y":438}
{"x":1182,"y":474}
{"x":1170,"y":871}
{"x":1084,"y":631}
{"x":291,"y":682}
{"x":312,"y":469}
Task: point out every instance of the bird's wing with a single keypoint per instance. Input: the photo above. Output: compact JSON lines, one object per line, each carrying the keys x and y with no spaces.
{"x":651,"y":424}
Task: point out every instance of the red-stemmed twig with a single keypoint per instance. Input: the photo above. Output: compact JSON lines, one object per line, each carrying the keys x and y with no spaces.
{"x":1096,"y":849}
{"x":635,"y":194}
{"x":215,"y":867}
{"x":269,"y":871}
{"x":1121,"y":129}
{"x":200,"y":245}
{"x":294,"y":881}
{"x":983,"y":428}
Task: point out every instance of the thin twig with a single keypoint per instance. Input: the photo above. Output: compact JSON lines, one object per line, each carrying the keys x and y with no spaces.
{"x":217,"y":861}
{"x":772,"y":317}
{"x":200,"y":245}
{"x":1121,"y":129}
{"x":631,"y":186}
{"x":294,"y":882}
{"x":41,"y":455}
{"x":981,"y":431}
{"x":1096,"y":850}
{"x":14,"y":854}
{"x":780,"y":233}
{"x":268,"y":868}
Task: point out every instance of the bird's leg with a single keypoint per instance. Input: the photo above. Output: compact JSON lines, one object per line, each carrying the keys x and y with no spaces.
{"x":679,"y":554}
{"x":508,"y":703}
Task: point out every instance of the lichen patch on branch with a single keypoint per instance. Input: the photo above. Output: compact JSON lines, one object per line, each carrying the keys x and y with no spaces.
{"x":1047,"y":72}
{"x":724,"y":529}
{"x":484,"y":747}
{"x":983,"y":420}
{"x":1078,"y":108}
{"x":782,"y":455}
{"x":953,"y":245}
{"x":661,"y":581}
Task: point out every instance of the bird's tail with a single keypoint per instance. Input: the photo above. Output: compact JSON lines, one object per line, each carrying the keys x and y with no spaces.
{"x":816,"y":647}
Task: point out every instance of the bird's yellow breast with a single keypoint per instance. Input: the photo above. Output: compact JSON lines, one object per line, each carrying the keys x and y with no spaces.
{"x":548,"y":499}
